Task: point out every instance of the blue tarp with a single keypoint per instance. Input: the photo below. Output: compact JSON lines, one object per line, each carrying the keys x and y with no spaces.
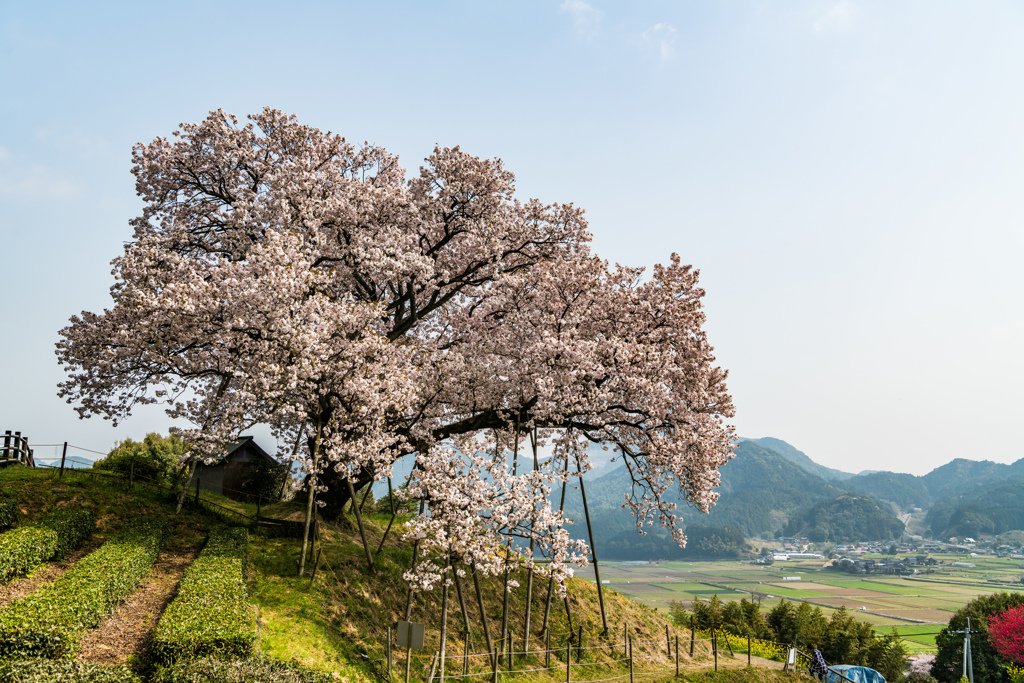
{"x":857,"y":674}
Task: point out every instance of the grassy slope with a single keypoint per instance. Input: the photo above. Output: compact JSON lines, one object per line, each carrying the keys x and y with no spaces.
{"x":342,"y":615}
{"x":338,"y":621}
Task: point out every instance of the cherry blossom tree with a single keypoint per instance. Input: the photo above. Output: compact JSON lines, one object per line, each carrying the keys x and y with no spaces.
{"x":281,"y":275}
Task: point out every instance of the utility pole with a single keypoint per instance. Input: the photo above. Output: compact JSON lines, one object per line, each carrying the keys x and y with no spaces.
{"x":968,"y":669}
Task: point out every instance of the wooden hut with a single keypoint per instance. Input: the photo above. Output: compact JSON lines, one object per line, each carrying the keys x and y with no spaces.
{"x":229,"y":474}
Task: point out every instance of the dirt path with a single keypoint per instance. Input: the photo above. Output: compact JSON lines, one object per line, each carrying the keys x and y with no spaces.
{"x":20,"y":587}
{"x":126,"y":631}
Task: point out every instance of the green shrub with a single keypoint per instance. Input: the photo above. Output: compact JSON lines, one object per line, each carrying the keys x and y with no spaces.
{"x":51,"y":621}
{"x":51,"y":536}
{"x":254,"y":670}
{"x":156,"y":457}
{"x":211,"y":615}
{"x":9,"y":512}
{"x":65,"y":671}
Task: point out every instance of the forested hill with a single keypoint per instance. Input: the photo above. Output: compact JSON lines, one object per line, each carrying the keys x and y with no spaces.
{"x":760,"y":489}
{"x":799,"y":458}
{"x":770,"y":488}
{"x":849,"y":517}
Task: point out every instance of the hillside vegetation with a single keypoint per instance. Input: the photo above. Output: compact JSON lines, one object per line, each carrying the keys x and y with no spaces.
{"x":335,"y":622}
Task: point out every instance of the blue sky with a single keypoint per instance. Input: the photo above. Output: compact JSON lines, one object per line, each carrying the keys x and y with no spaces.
{"x":846,"y":175}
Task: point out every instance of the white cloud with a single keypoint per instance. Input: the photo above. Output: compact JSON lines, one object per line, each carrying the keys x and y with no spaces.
{"x":840,"y":17}
{"x":661,"y":39}
{"x":20,"y":179}
{"x":587,"y":19}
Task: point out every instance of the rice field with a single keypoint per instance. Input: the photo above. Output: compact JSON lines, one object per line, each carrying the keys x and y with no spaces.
{"x":917,"y":606}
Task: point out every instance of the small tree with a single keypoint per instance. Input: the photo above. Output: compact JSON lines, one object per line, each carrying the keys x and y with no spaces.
{"x":156,"y":457}
{"x":988,"y":664}
{"x":1006,"y":633}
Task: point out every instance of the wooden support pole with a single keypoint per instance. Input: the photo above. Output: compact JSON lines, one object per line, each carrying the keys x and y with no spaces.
{"x":389,"y":652}
{"x":462,"y":603}
{"x":7,"y":445}
{"x":547,"y":648}
{"x":465,"y":656}
{"x":668,"y":641}
{"x":63,"y":456}
{"x":693,"y":634}
{"x":568,"y":661}
{"x":511,"y":656}
{"x":359,"y":521}
{"x":259,"y":504}
{"x":444,"y":620}
{"x":551,"y":581}
{"x":394,"y":513}
{"x":677,"y":656}
{"x":593,"y":552}
{"x":729,"y":645}
{"x":714,"y":646}
{"x":748,"y":650}
{"x":579,"y":644}
{"x":483,"y":620}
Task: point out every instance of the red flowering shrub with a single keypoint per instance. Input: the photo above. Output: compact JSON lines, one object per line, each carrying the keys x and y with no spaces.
{"x":1006,"y":633}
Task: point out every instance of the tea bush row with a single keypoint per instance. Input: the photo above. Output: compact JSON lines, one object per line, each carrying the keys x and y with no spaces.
{"x":51,"y":621}
{"x":9,"y":512}
{"x":211,"y":615}
{"x":252,"y":670}
{"x":65,"y":671}
{"x":51,"y":536}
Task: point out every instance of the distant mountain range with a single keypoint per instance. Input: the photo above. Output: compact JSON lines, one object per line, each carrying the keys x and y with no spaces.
{"x":771,"y":488}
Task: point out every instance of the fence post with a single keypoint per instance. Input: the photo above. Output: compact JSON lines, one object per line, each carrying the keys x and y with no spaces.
{"x":63,"y":455}
{"x":7,"y":444}
{"x":568,"y":660}
{"x":748,"y":650}
{"x":692,"y":635}
{"x":714,"y":645}
{"x":625,"y":639}
{"x":433,"y":667}
{"x":668,"y":642}
{"x":389,"y":652}
{"x":511,"y":657}
{"x":729,"y":645}
{"x":465,"y":657}
{"x":579,"y":645}
{"x":630,"y":660}
{"x":677,"y":656}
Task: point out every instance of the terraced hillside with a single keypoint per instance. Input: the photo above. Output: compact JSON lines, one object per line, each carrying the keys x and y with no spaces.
{"x":149,"y":595}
